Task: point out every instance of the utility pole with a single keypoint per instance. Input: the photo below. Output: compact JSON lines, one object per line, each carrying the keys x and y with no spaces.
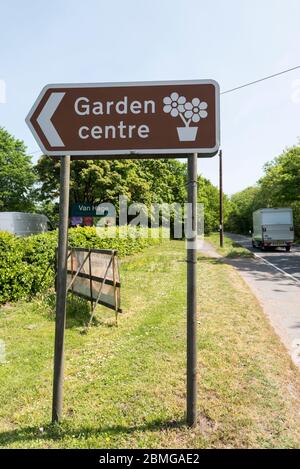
{"x":191,"y":395}
{"x":221,"y":198}
{"x":61,"y":289}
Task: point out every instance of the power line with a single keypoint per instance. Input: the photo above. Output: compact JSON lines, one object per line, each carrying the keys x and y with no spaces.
{"x":260,"y":80}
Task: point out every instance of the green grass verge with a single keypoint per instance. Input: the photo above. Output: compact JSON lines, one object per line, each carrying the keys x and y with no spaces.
{"x":230,"y":248}
{"x":125,"y":385}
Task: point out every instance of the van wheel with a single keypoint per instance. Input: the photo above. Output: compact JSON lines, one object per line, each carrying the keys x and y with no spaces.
{"x":287,"y":248}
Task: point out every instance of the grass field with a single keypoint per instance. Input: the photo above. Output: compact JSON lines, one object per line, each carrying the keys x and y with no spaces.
{"x":125,"y":385}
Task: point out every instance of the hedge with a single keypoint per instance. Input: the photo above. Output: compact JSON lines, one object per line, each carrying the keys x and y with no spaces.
{"x":27,"y":264}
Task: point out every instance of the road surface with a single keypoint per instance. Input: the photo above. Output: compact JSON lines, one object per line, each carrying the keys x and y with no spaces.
{"x":274,"y":278}
{"x":289,"y":262}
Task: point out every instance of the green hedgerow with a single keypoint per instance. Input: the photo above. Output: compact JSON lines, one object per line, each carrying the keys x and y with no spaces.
{"x":27,"y":265}
{"x":15,"y":275}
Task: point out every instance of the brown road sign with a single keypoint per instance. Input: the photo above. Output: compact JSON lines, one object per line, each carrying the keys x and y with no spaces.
{"x":129,"y":119}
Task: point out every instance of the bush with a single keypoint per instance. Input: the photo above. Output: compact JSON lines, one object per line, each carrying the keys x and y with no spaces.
{"x":15,"y":276}
{"x":89,"y":237}
{"x":27,"y":264}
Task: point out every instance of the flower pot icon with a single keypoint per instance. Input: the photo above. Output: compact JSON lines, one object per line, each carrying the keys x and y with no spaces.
{"x":189,"y":112}
{"x":187,"y":134}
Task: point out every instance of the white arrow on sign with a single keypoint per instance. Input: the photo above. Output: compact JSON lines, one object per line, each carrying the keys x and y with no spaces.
{"x":44,"y":120}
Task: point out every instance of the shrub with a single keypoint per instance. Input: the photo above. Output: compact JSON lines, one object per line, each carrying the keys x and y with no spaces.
{"x":15,"y":275}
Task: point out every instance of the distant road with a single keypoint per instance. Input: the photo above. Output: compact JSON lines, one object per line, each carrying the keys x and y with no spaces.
{"x":289,"y":262}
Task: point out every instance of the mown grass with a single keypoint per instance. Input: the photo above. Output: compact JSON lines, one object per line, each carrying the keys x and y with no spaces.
{"x":230,"y":248}
{"x":125,"y":385}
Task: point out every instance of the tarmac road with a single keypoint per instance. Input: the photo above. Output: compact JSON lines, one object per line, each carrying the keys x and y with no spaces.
{"x":289,"y":262}
{"x":274,"y":278}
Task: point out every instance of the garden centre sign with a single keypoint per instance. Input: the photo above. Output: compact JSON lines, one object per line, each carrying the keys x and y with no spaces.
{"x":123,"y":120}
{"x":129,"y":119}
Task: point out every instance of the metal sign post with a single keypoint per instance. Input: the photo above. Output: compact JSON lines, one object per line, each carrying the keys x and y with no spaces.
{"x":61,"y":293}
{"x":191,"y":391}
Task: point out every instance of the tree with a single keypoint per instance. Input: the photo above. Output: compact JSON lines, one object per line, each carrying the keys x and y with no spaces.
{"x":208,"y":195}
{"x":97,"y":181}
{"x":16,"y":175}
{"x":281,"y":182}
{"x":146,"y":181}
{"x":244,"y":203}
{"x":279,"y":186}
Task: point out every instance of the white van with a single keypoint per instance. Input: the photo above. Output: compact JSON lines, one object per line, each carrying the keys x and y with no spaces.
{"x":273,"y":227}
{"x":23,"y":224}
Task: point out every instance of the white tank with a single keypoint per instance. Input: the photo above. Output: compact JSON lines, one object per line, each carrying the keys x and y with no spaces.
{"x":23,"y":224}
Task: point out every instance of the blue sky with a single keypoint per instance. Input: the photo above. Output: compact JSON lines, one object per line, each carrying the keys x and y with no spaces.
{"x":232,"y":41}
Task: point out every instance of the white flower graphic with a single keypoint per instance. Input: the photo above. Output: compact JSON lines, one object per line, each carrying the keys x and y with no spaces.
{"x":188,"y":112}
{"x":195,"y":110}
{"x":174,"y":104}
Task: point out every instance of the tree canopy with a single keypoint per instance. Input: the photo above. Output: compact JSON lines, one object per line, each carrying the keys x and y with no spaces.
{"x":281,"y":181}
{"x":97,"y":181}
{"x":16,"y":174}
{"x":208,"y":195}
{"x":24,"y":187}
{"x":145,"y":181}
{"x":244,"y":203}
{"x":279,"y":187}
